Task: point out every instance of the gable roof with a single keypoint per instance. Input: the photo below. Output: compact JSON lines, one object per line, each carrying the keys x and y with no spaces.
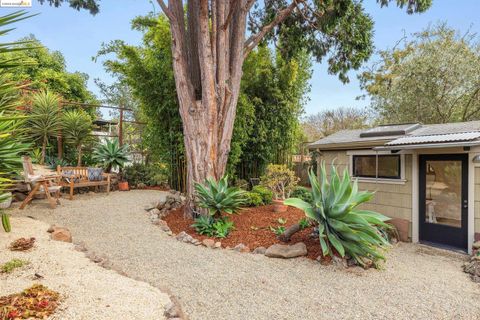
{"x":421,"y":134}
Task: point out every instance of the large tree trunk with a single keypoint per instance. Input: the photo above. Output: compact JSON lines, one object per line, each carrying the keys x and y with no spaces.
{"x":44,"y":150}
{"x":79,"y":156}
{"x":208,"y":53}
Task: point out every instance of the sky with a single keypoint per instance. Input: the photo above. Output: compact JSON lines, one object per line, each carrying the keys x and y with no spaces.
{"x":79,"y":35}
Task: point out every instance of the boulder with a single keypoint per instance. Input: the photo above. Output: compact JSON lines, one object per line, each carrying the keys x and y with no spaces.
{"x":286,"y":251}
{"x":259,"y":250}
{"x":476,"y":245}
{"x":218,"y":244}
{"x":209,"y":243}
{"x":61,"y":234}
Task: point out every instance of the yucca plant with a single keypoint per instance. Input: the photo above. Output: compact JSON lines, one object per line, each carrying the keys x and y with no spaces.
{"x":218,"y":197}
{"x":342,"y":226}
{"x":11,"y":144}
{"x":111,"y":155}
{"x":77,"y":126}
{"x":44,"y":121}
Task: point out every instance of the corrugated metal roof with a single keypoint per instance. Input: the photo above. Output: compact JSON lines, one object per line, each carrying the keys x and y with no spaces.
{"x":437,"y":138}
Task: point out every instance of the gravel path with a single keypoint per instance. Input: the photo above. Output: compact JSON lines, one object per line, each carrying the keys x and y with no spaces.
{"x":417,"y":283}
{"x":87,"y":290}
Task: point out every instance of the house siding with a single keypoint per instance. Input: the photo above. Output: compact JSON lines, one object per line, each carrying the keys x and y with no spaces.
{"x":476,"y":216}
{"x":392,"y":200}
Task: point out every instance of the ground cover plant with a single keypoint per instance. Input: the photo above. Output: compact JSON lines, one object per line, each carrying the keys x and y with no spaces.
{"x":11,"y":265}
{"x":36,"y":302}
{"x":344,"y":228}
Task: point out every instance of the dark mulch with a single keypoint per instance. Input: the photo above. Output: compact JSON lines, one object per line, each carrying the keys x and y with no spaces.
{"x":252,"y":228}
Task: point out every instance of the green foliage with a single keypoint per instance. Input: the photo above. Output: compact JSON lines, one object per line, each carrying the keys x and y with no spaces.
{"x":111,"y":155}
{"x":265,"y":193}
{"x":280,"y":180}
{"x":53,"y":162}
{"x":278,"y":230}
{"x":150,"y":175}
{"x":302,"y":193}
{"x":44,"y":121}
{"x":218,"y":197}
{"x":304,"y":223}
{"x":11,"y":265}
{"x":77,"y":126}
{"x":253,"y":199}
{"x":433,"y":77}
{"x":209,"y":226}
{"x":12,"y":143}
{"x":282,"y":220}
{"x":342,"y":226}
{"x":93,"y":6}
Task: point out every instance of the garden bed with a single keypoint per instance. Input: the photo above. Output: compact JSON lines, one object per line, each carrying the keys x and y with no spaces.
{"x":252,"y":228}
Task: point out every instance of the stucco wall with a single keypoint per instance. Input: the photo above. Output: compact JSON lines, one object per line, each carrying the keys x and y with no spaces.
{"x":393,"y":200}
{"x":477,"y":202}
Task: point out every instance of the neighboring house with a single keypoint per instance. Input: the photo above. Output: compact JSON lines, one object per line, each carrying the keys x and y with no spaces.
{"x":426,"y":177}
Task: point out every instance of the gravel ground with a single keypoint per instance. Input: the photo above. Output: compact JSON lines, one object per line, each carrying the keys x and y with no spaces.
{"x":87,"y":290}
{"x":417,"y":283}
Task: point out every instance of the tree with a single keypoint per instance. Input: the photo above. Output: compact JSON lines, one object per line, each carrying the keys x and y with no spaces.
{"x":44,"y":120}
{"x":77,"y":127}
{"x":324,"y":123}
{"x":434,"y":77}
{"x":209,"y":46}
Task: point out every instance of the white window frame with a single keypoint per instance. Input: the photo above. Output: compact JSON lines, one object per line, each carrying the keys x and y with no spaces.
{"x":352,"y":153}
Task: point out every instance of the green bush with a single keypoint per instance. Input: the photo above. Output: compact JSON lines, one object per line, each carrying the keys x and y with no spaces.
{"x":265,"y":193}
{"x":253,"y":199}
{"x":342,"y":226}
{"x":209,"y":226}
{"x":302,"y":193}
{"x":150,"y":175}
{"x":11,"y":265}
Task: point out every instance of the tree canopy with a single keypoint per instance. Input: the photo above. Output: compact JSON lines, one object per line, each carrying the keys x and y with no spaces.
{"x":431,"y":77}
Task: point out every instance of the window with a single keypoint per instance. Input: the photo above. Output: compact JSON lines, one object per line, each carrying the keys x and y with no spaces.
{"x":366,"y":166}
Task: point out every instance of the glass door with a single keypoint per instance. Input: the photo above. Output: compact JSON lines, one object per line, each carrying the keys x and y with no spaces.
{"x":444,"y":199}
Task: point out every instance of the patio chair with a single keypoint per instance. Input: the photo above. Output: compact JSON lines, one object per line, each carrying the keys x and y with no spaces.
{"x":47,"y":184}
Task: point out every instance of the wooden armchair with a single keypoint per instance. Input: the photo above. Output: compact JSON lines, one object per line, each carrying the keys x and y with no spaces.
{"x":77,"y":177}
{"x":43,"y":183}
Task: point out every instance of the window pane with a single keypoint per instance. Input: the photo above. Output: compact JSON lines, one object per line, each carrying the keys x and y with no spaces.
{"x":388,"y":166}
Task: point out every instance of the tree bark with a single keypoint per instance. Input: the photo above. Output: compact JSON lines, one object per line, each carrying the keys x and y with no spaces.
{"x":44,"y":150}
{"x":79,"y":156}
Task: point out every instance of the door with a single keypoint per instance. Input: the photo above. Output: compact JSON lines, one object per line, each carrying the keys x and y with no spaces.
{"x":443,"y":208}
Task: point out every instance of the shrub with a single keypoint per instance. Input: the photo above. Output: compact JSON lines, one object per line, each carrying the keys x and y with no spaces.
{"x":302,"y":193}
{"x":218,"y":197}
{"x":265,"y":193}
{"x":111,"y":155}
{"x":280,"y":180}
{"x":139,"y":173}
{"x":242,"y":184}
{"x":11,"y":265}
{"x":253,"y":199}
{"x":209,"y":226}
{"x":342,"y":226}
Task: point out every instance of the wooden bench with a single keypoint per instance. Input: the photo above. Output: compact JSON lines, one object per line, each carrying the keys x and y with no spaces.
{"x":77,"y":177}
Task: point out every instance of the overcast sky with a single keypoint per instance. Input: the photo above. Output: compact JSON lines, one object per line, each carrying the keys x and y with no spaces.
{"x":78,"y":35}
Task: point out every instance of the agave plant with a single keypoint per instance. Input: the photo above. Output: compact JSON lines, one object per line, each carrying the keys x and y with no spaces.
{"x":11,"y":144}
{"x":111,"y":155}
{"x":77,"y":126}
{"x":44,"y":121}
{"x":342,"y":226}
{"x":218,"y":197}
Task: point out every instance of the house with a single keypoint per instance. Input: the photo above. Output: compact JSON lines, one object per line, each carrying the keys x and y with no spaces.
{"x":425,"y":177}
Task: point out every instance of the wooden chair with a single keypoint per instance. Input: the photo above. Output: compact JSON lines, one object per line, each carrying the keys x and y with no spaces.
{"x":77,"y":177}
{"x":42,"y":183}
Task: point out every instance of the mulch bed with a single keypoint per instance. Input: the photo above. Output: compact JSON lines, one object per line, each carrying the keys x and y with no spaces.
{"x":252,"y":228}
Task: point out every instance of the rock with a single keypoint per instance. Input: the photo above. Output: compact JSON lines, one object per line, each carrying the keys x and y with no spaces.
{"x":171,"y":310}
{"x":209,"y":243}
{"x":286,"y":251}
{"x":339,"y":262}
{"x":80,"y":247}
{"x":181,"y":235}
{"x":61,"y":234}
{"x":476,"y":245}
{"x":218,"y":244}
{"x":19,"y":196}
{"x":154,"y":212}
{"x":473,"y":268}
{"x":259,"y":250}
{"x":163,"y":213}
{"x":241,"y":248}
{"x":52,"y":228}
{"x":169,"y":233}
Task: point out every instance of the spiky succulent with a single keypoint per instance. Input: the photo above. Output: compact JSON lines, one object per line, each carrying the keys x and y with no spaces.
{"x":218,"y":197}
{"x":342,"y":225}
{"x":111,"y":155}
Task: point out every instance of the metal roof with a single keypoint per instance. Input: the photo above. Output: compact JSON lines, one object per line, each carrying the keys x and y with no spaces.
{"x":431,"y":133}
{"x":438,"y":138}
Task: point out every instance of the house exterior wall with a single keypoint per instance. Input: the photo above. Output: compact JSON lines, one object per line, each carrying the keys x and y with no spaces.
{"x":391,"y":199}
{"x":476,"y":217}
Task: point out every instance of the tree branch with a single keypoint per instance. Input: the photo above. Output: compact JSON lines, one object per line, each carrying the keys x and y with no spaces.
{"x":165,"y":9}
{"x":255,"y":39}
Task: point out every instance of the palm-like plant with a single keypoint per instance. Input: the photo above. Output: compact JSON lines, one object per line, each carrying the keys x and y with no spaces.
{"x":44,"y":121}
{"x":341,"y":224}
{"x":218,"y":197}
{"x":77,"y":126}
{"x":111,"y":155}
{"x":11,"y":145}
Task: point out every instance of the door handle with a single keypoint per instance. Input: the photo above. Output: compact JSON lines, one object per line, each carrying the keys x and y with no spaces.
{"x":465,"y":204}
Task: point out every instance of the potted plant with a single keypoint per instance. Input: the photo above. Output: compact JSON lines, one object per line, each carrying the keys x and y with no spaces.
{"x":113,"y":156}
{"x":281,"y":181}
